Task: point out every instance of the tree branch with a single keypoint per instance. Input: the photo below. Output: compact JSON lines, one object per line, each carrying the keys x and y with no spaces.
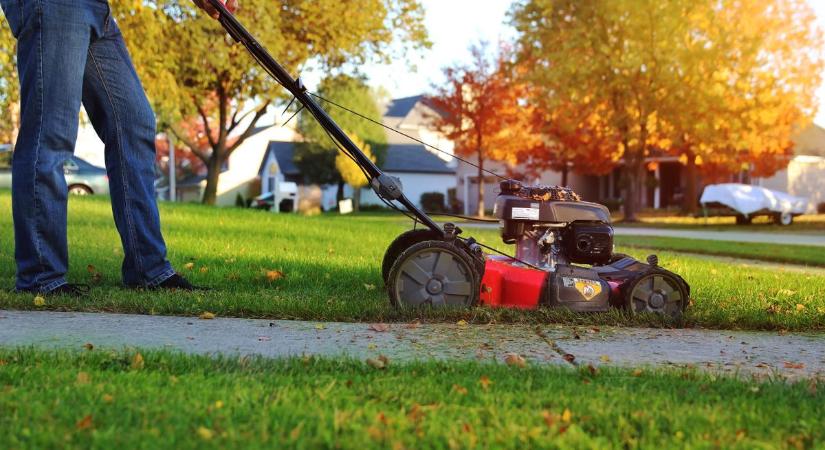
{"x":192,"y":146}
{"x":205,"y":118}
{"x":248,"y":132}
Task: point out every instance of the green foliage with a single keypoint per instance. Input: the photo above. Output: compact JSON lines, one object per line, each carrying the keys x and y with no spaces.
{"x":9,"y":86}
{"x":191,"y":68}
{"x":432,"y":201}
{"x":349,"y":171}
{"x":316,"y":156}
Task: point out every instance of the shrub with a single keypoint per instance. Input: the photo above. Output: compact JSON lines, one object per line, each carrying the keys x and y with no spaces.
{"x":432,"y":201}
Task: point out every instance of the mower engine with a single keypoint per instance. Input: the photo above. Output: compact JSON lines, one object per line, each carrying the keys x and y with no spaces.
{"x":557,"y":236}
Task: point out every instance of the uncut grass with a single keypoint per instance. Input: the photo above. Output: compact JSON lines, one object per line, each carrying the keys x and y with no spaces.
{"x":109,"y":399}
{"x":331,"y":271}
{"x":794,"y":254}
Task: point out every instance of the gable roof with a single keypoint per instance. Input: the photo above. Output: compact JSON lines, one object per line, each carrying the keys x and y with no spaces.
{"x":409,"y":158}
{"x":400,"y":107}
{"x":414,"y":158}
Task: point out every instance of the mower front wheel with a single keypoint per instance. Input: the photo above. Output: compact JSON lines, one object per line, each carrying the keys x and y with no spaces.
{"x":404,"y":241}
{"x":433,"y":273}
{"x":657,"y":292}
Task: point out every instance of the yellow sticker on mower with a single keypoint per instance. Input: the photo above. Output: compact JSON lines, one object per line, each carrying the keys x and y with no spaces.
{"x":587,"y":288}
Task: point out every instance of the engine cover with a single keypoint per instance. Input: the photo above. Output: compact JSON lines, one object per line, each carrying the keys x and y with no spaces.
{"x":588,"y":242}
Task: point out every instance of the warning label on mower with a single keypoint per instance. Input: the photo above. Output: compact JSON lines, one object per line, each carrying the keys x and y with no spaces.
{"x":525,"y":213}
{"x":587,"y":288}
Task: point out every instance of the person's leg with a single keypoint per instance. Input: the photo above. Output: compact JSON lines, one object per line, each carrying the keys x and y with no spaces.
{"x":53,"y":41}
{"x":118,"y":109}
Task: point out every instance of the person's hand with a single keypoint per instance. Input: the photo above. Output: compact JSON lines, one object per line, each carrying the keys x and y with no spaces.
{"x":231,"y":5}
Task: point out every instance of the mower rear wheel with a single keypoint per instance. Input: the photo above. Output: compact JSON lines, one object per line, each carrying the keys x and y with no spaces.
{"x":659,"y":293}
{"x":404,"y":241}
{"x":433,"y":273}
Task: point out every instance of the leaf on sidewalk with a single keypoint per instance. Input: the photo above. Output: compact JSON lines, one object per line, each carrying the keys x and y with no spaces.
{"x":379,"y":327}
{"x":206,"y":315}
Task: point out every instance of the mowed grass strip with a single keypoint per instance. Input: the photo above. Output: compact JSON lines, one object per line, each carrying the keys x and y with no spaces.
{"x":160,"y":400}
{"x":794,"y":254}
{"x":807,"y":223}
{"x":327,"y":267}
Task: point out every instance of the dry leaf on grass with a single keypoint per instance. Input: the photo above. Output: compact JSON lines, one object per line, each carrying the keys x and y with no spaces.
{"x":485,"y":382}
{"x":39,"y":301}
{"x":84,"y":423}
{"x":369,"y":287}
{"x":379,"y":363}
{"x":137,"y":362}
{"x":791,"y":365}
{"x":189,"y":266}
{"x":205,"y":433}
{"x":513,"y":359}
{"x":89,"y":346}
{"x":83,"y":378}
{"x":274,"y":275}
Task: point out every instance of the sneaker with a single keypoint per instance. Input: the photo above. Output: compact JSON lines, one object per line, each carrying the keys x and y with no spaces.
{"x":177,"y":282}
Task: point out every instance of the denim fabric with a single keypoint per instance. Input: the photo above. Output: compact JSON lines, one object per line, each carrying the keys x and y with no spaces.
{"x":71,"y":51}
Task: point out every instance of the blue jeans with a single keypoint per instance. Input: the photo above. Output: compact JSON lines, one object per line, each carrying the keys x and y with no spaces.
{"x":71,"y":51}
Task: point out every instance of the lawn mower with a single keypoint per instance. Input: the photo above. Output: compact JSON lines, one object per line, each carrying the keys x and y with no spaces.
{"x":564,"y":246}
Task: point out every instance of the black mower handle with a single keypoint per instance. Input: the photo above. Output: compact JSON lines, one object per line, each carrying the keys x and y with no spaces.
{"x":383,"y":185}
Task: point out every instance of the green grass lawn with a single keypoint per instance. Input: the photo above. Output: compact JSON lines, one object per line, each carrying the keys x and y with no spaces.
{"x":794,"y":254}
{"x":159,"y":400}
{"x":808,"y":223}
{"x":330,"y":266}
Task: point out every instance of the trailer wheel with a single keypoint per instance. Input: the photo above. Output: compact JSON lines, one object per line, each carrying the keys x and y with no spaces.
{"x":659,"y":293}
{"x":404,"y":241}
{"x":783,"y":219}
{"x":433,"y":273}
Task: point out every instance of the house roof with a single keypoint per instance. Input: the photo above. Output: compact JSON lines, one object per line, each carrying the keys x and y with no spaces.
{"x":414,"y":158}
{"x":400,"y":107}
{"x":410,"y":158}
{"x":810,"y":141}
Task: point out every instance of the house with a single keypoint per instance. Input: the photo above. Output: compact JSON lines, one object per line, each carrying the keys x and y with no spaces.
{"x":805,"y":174}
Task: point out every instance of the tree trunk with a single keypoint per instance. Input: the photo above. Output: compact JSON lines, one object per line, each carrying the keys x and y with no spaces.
{"x":356,"y":199}
{"x":339,"y":195}
{"x":634,"y":171}
{"x":213,"y":172}
{"x":564,"y":172}
{"x":690,"y":199}
{"x":480,"y":211}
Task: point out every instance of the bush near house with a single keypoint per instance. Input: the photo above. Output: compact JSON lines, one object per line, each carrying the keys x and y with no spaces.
{"x":432,"y":201}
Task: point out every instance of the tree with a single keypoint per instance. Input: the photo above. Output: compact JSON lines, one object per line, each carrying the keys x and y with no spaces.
{"x":316,"y":155}
{"x":482,"y":110}
{"x":701,"y":78}
{"x":350,"y":172}
{"x":9,"y":86}
{"x":186,"y":60}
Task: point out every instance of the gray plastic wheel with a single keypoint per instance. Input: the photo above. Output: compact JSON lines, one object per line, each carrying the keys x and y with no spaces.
{"x":657,"y":293}
{"x":433,"y":273}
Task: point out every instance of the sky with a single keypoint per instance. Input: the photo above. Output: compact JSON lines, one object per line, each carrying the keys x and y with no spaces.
{"x":454,"y":25}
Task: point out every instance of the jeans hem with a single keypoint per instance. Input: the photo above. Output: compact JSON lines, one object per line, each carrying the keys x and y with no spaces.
{"x":161,"y":278}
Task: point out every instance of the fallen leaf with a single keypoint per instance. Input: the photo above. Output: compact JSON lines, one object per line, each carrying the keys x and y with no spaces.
{"x":637,"y":372}
{"x":273,"y":275}
{"x":204,"y":269}
{"x":461,"y":323}
{"x":569,"y":357}
{"x":604,"y":358}
{"x":800,"y":307}
{"x":206,"y":315}
{"x":108,"y":398}
{"x":413,"y":325}
{"x":592,"y":369}
{"x":296,"y":432}
{"x":83,"y":378}
{"x":137,"y":362}
{"x":485,"y":382}
{"x":459,"y":389}
{"x":264,"y":338}
{"x":89,"y":346}
{"x":379,"y":327}
{"x":39,"y":301}
{"x":320,"y":326}
{"x":791,"y":365}
{"x":189,"y":266}
{"x":548,"y":418}
{"x":566,"y":416}
{"x":369,"y":287}
{"x":205,"y":433}
{"x":84,"y":423}
{"x":513,"y":359}
{"x":376,"y":363}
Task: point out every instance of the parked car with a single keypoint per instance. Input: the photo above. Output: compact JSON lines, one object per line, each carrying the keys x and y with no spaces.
{"x":745,"y":202}
{"x":82,"y":178}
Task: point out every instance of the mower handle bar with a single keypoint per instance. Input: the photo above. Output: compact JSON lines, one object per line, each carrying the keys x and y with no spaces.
{"x":297,"y":89}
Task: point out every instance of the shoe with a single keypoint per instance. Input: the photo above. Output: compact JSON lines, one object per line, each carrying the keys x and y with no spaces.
{"x":178,"y":283}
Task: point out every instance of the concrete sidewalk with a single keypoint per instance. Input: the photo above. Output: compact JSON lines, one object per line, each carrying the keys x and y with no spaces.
{"x":742,"y":353}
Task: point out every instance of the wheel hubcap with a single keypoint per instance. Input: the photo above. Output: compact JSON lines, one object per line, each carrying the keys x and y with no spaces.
{"x":657,"y":293}
{"x":436,"y":277}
